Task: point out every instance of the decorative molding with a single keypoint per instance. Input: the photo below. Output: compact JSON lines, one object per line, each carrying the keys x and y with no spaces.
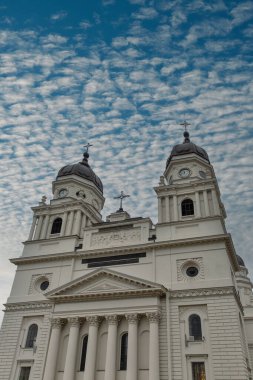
{"x":202,"y":292}
{"x":183,"y":263}
{"x":153,"y":317}
{"x":93,"y":320}
{"x":57,"y":323}
{"x":32,"y":288}
{"x":74,"y":321}
{"x":28,"y":306}
{"x":132,"y":318}
{"x":112,"y":319}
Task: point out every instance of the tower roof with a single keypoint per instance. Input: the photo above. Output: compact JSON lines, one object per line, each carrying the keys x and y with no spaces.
{"x":187,"y":147}
{"x":83,"y":170}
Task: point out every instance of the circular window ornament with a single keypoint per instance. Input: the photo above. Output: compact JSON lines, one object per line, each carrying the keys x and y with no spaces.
{"x":63,"y":193}
{"x":44,"y":285}
{"x":192,"y":271}
{"x":184,"y":173}
{"x":202,"y":174}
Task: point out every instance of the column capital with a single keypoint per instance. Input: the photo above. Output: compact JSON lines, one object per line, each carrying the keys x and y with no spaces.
{"x":93,"y":320}
{"x":132,"y":318}
{"x":112,"y":319}
{"x":57,"y":323}
{"x":153,"y":317}
{"x":74,"y":321}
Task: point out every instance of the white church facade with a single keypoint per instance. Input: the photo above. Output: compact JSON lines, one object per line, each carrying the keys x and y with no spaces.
{"x":124,"y":299}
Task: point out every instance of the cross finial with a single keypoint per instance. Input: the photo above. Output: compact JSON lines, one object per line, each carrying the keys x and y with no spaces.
{"x":121,"y":197}
{"x":87,"y":147}
{"x":185,"y":124}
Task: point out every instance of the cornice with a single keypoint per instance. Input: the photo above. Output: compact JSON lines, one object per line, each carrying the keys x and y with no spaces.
{"x":28,"y":306}
{"x":207,"y":292}
{"x":133,"y":249}
{"x":131,"y":293}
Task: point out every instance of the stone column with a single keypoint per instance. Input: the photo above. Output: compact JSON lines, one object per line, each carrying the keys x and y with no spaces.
{"x":44,"y":227}
{"x":38,"y":228}
{"x":159,"y":210}
{"x":215,"y":203}
{"x":90,"y":365}
{"x":111,"y":349}
{"x":70,"y":223}
{"x":198,"y":213}
{"x":154,"y":366}
{"x":64,"y":222}
{"x":206,"y":203}
{"x":53,"y":348}
{"x":167,"y":209}
{"x":132,"y":351}
{"x":70,"y":363}
{"x":32,"y":228}
{"x":175,"y":209}
{"x":77,"y":224}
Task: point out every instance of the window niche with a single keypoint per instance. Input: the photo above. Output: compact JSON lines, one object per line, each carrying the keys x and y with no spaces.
{"x":31,"y":336}
{"x":56,"y":227}
{"x":83,"y":353}
{"x":187,"y":207}
{"x":195,"y":329}
{"x":123,"y":352}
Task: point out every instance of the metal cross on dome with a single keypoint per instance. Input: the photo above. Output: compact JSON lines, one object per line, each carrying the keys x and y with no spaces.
{"x":87,"y":147}
{"x":185,"y":124}
{"x":121,"y":197}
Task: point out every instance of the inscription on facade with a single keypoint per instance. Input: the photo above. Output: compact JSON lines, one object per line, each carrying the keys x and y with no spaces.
{"x":117,"y":238}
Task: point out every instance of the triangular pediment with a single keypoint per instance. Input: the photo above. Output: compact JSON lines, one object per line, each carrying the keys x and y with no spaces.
{"x":104,"y":283}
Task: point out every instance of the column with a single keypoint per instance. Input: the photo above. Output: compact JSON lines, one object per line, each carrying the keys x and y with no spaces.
{"x":44,"y":227}
{"x":206,"y":203}
{"x":64,"y":222}
{"x":53,"y":348}
{"x":132,"y":351}
{"x":111,"y":349}
{"x":77,"y":224}
{"x":38,"y":228}
{"x":159,"y":210}
{"x":70,"y":363}
{"x":175,"y":209}
{"x":154,"y":366}
{"x":215,"y":203}
{"x":70,"y":223}
{"x":198,"y":213}
{"x":32,"y":228}
{"x":90,"y":366}
{"x":167,"y":208}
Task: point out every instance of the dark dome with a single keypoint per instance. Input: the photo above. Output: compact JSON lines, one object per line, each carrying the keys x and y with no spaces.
{"x":187,"y":147}
{"x":81,"y":169}
{"x":240,"y":261}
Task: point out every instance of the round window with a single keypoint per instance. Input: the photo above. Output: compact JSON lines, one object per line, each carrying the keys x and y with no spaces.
{"x":192,"y":271}
{"x":44,"y":285}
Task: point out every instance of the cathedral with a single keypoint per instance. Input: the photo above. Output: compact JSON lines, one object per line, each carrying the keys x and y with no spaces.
{"x":126,"y":299}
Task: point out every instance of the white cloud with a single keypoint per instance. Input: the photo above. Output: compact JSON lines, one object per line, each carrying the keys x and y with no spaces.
{"x":59,"y":16}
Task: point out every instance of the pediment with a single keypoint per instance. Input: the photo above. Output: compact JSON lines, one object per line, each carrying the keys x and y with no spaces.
{"x":104,"y":283}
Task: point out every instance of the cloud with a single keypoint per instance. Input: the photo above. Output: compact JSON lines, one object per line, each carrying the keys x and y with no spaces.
{"x":145,"y":13}
{"x":59,"y":16}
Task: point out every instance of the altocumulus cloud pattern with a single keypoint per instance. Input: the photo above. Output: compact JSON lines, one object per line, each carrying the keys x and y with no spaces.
{"x":122,"y":75}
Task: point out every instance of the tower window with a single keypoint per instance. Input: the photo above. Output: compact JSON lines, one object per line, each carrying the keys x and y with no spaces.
{"x":195,"y":327}
{"x":84,"y":352}
{"x":123,"y":352}
{"x":56,"y":227}
{"x":24,"y":373}
{"x":31,"y":336}
{"x":198,"y":371}
{"x":187,"y":207}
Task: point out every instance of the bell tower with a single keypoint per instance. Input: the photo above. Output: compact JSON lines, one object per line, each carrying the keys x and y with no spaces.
{"x":188,"y":191}
{"x":77,"y":203}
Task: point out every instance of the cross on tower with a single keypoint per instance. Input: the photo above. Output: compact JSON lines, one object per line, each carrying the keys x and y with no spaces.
{"x":121,"y":197}
{"x":87,"y":147}
{"x":185,"y":124}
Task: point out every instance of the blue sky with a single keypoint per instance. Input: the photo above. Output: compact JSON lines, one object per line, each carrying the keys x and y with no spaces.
{"x":122,"y":75}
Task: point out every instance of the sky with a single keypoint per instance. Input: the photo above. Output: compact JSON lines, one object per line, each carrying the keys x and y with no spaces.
{"x":122,"y":75}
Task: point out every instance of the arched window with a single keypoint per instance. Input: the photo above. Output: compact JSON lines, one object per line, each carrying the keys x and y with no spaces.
{"x":84,"y":352}
{"x":123,"y":352}
{"x":56,"y":227}
{"x":187,"y":207}
{"x":31,"y":336}
{"x":195,"y":327}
